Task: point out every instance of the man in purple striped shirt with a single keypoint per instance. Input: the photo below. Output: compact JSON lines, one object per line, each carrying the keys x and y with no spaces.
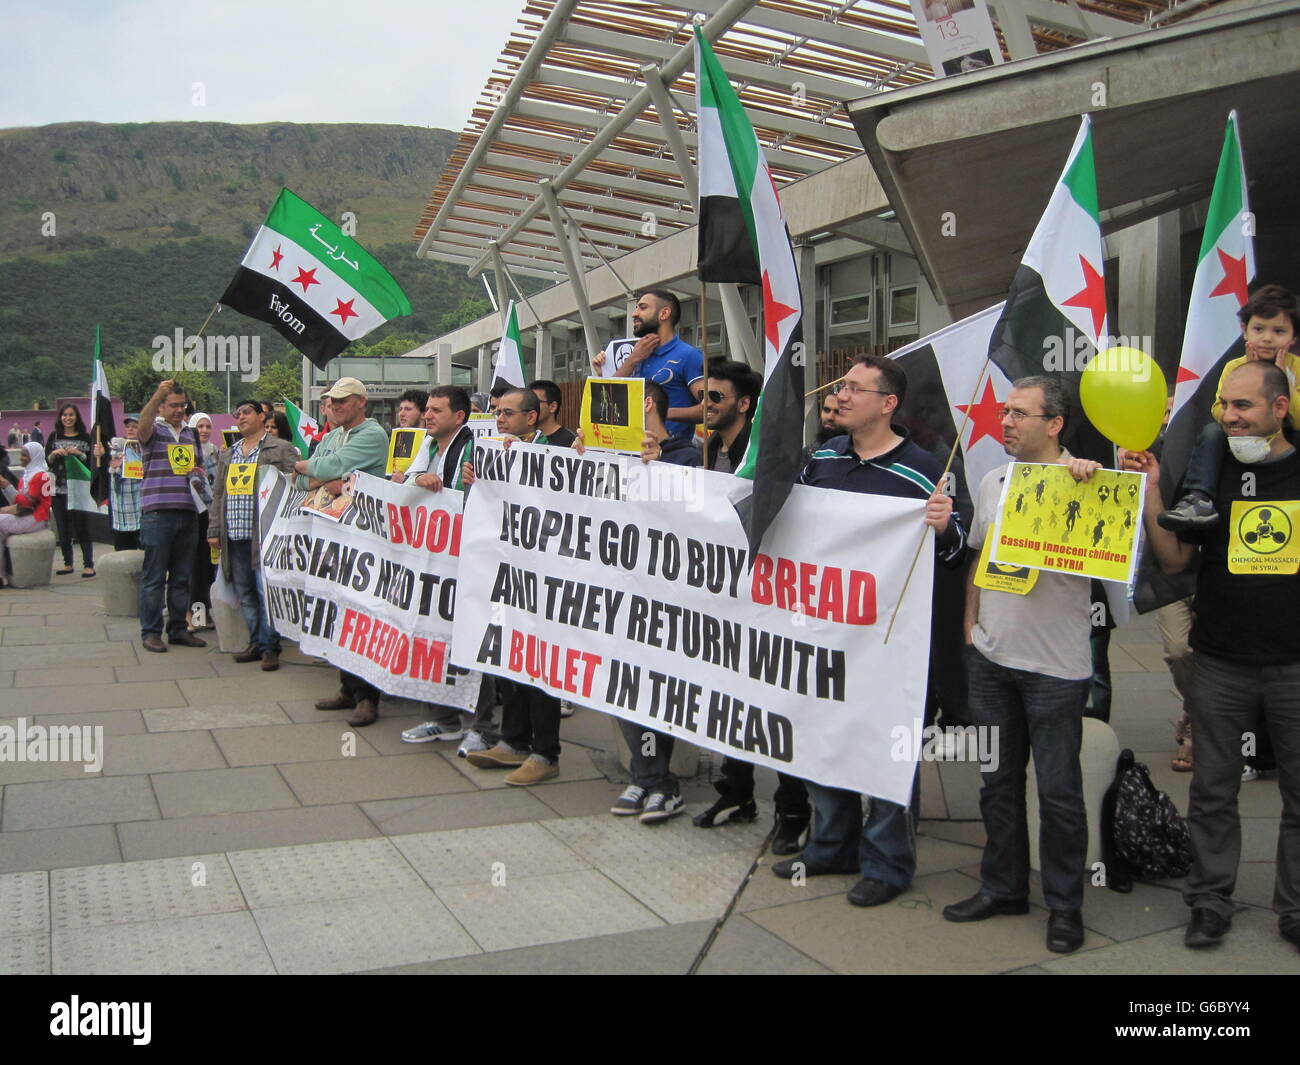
{"x":169,"y":520}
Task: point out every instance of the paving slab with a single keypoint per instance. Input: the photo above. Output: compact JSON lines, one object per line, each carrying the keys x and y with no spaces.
{"x":223,"y":943}
{"x":165,"y":667}
{"x":487,"y":855}
{"x":39,"y":601}
{"x":25,"y":955}
{"x":765,"y":890}
{"x":161,"y":752}
{"x":665,"y":951}
{"x":476,"y":809}
{"x":25,"y":902}
{"x":385,"y":736}
{"x":577,"y":798}
{"x":525,"y":911}
{"x":243,"y":831}
{"x":223,"y":715}
{"x":281,"y":744}
{"x":29,"y":772}
{"x":367,"y":779}
{"x":6,"y":678}
{"x":268,"y":685}
{"x":1255,"y":881}
{"x":57,"y":654}
{"x":53,"y":848}
{"x":742,"y":948}
{"x":374,"y":932}
{"x":575,"y":764}
{"x":130,"y":892}
{"x":221,"y":791}
{"x":39,"y":635}
{"x":64,"y":803}
{"x":85,"y":679}
{"x":970,"y":833}
{"x":322,"y":872}
{"x":73,"y":699}
{"x":113,"y":722}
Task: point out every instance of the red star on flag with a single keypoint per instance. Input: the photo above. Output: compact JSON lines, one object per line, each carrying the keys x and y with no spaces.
{"x":773,"y":314}
{"x":1234,"y":278}
{"x":305,"y":278}
{"x":266,"y":491}
{"x":344,"y":310}
{"x":985,"y":416}
{"x":1092,"y":297}
{"x":276,"y":256}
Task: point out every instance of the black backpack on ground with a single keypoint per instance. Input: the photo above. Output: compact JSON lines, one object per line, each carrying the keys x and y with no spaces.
{"x":1143,"y":835}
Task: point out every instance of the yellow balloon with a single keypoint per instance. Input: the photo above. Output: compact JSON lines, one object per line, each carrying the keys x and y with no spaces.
{"x":1123,"y":393}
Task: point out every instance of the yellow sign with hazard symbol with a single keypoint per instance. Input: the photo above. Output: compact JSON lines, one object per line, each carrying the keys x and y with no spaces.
{"x":1262,"y":537}
{"x":181,"y":457}
{"x":240,"y":478}
{"x":1000,"y":577}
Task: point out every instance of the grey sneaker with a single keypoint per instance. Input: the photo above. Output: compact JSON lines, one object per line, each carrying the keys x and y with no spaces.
{"x":472,"y":742}
{"x":1190,"y":512}
{"x":428,"y":732}
{"x":660,"y":807}
{"x":629,"y":803}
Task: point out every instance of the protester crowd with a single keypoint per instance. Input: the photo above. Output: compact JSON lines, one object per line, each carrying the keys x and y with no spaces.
{"x":1028,"y":653}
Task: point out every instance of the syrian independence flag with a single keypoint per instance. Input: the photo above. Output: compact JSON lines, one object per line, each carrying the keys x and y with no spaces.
{"x":303,"y":425}
{"x":774,"y":455}
{"x":319,"y":289}
{"x":509,"y":369}
{"x":1054,"y":319}
{"x":78,"y":478}
{"x":1212,"y":336}
{"x":103,"y":426}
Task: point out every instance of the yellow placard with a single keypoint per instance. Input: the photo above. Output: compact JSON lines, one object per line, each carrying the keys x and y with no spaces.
{"x":996,"y":577}
{"x":241,"y":478}
{"x":181,"y":458}
{"x":1262,"y":537}
{"x":403,"y":446}
{"x":1048,"y":520}
{"x":132,"y":462}
{"x":613,"y":413}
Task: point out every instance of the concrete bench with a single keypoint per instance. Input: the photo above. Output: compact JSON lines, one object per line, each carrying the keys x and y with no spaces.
{"x":232,"y":630}
{"x":1097,"y":757}
{"x":32,"y":557}
{"x":119,"y":582}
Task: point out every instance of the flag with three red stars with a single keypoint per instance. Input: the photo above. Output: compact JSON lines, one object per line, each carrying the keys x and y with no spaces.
{"x":317,"y":287}
{"x":1055,"y":318}
{"x":744,"y":238}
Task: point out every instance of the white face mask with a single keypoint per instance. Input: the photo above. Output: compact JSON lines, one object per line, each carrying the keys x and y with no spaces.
{"x":1250,"y":449}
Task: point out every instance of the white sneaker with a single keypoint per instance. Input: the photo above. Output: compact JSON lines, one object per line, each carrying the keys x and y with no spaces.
{"x":566,"y":708}
{"x":472,"y":742}
{"x":660,"y":807}
{"x":1249,"y":773}
{"x":430,"y":731}
{"x":629,"y":803}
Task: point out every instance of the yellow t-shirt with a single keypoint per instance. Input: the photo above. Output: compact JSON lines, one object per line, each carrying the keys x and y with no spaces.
{"x":1289,"y":364}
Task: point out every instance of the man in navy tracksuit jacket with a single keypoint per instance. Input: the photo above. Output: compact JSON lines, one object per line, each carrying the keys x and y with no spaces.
{"x":876,"y":458}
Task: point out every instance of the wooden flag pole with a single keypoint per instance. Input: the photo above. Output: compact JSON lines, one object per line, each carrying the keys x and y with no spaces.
{"x":208,"y":318}
{"x":823,"y":388}
{"x":925,"y":532}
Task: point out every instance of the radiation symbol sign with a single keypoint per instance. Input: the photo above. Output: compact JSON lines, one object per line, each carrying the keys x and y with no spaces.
{"x":181,"y":458}
{"x":1000,"y":577}
{"x":1262,"y":537}
{"x":240,"y":477}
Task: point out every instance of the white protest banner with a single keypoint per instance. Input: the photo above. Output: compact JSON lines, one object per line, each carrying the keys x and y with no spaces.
{"x":626,"y":588}
{"x":372,"y":593}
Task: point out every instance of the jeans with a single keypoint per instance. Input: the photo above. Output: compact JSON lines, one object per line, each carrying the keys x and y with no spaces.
{"x":883,"y":847}
{"x":73,"y":523}
{"x":1229,"y":700}
{"x":1206,"y":462}
{"x":650,"y":771}
{"x":1045,"y":715}
{"x":530,"y":719}
{"x":248,"y":586}
{"x":168,"y":538}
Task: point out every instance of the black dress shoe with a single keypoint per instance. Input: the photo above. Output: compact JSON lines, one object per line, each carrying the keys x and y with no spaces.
{"x":787,"y":869}
{"x":868,"y":892}
{"x":1064,"y":931}
{"x":980,"y":907}
{"x":187,"y":639}
{"x":1207,"y":928}
{"x":789,"y":831}
{"x":1290,"y":931}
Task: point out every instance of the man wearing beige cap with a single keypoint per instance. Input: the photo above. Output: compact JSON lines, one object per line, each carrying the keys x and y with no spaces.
{"x":356,"y":443}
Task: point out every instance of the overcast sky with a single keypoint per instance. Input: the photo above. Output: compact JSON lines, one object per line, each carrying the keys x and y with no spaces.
{"x":413,"y":62}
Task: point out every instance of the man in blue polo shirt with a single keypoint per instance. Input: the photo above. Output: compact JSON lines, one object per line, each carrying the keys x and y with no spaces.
{"x":662,"y":357}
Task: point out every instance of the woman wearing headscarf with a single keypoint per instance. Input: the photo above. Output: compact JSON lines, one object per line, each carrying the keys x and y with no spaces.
{"x":30,"y":510}
{"x":201,"y":573}
{"x":69,"y":439}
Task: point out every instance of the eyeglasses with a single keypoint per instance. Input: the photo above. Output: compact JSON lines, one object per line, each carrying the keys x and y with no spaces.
{"x":506,"y":412}
{"x":853,"y":389}
{"x":715,"y":396}
{"x":1020,"y":415}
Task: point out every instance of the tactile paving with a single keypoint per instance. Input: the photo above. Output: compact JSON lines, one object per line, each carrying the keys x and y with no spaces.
{"x":24,"y":903}
{"x":222,"y":943}
{"x":527,"y":911}
{"x":353,"y":935}
{"x":130,"y":892}
{"x":476,"y":855}
{"x":27,"y":955}
{"x":321,"y":872}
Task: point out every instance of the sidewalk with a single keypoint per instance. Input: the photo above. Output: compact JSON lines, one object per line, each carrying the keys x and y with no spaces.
{"x":234,"y":828}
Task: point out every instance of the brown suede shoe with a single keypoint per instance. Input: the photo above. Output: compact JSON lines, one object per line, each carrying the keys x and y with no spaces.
{"x":342,"y":701}
{"x":534,"y":771}
{"x":251,"y":653}
{"x":498,"y":757}
{"x":188,"y":639}
{"x":367,"y":712}
{"x":270,"y":661}
{"x":153,"y":643}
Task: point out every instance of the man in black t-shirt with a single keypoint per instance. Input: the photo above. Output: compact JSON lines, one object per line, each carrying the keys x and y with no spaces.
{"x":1246,"y":643}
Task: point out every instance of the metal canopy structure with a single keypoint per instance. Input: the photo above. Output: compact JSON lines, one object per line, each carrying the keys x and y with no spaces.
{"x":590,"y":107}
